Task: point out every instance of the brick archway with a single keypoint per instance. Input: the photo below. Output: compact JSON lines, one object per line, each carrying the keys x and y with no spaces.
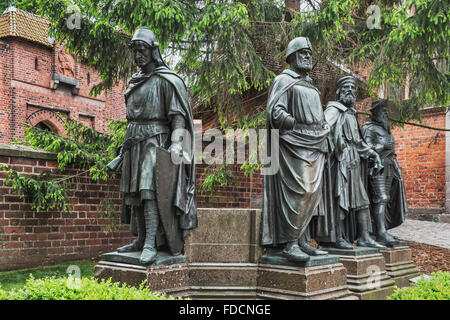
{"x":49,"y":118}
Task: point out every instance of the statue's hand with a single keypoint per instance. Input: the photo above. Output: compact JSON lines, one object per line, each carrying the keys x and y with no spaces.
{"x":378,"y":166}
{"x":326,"y":127}
{"x":389,"y":145}
{"x":176,"y":148}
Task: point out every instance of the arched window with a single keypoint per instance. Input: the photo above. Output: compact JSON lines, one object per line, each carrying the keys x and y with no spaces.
{"x":36,"y":63}
{"x":44,"y":126}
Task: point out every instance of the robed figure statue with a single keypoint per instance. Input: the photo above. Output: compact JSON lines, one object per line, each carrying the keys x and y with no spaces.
{"x":293,"y":193}
{"x":158,"y":192}
{"x":349,"y":188}
{"x":386,"y":190}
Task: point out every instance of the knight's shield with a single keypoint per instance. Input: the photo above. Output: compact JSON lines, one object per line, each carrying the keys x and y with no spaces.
{"x":166,"y":187}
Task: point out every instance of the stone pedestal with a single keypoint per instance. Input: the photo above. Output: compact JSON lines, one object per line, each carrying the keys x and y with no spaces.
{"x":223,"y":280}
{"x":168,"y":274}
{"x":322,"y":277}
{"x":399,"y":264}
{"x":366,"y":272}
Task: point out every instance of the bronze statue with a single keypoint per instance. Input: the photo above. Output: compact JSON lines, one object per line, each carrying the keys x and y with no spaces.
{"x":293,"y":194}
{"x":351,"y":198}
{"x":386,"y":190}
{"x":158,"y":195}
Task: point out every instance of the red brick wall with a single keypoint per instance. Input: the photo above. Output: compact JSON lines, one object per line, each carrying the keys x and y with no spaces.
{"x":30,"y":238}
{"x":244,"y":192}
{"x":5,"y":90}
{"x":421,"y":154}
{"x":23,"y":89}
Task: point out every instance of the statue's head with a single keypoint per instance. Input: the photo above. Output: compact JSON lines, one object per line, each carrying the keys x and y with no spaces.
{"x":145,"y":48}
{"x":299,"y":54}
{"x":346,"y":91}
{"x":379,"y":113}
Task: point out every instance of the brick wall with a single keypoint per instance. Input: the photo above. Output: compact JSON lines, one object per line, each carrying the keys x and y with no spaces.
{"x":27,"y":94}
{"x":29,"y":238}
{"x":421,"y":154}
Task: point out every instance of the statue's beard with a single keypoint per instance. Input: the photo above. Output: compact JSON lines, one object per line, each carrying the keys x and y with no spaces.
{"x":303,"y":65}
{"x":347,"y":99}
{"x":385,"y":124}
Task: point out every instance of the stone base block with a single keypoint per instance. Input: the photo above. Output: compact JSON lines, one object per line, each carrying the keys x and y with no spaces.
{"x":399,"y":265}
{"x":170,"y":279}
{"x":302,"y":283}
{"x":366,"y":273}
{"x":223,"y":280}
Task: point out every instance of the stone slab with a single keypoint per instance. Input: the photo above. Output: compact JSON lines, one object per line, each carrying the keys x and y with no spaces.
{"x":396,"y":244}
{"x":163,"y":258}
{"x":356,"y":251}
{"x":225,"y":235}
{"x":314,"y":261}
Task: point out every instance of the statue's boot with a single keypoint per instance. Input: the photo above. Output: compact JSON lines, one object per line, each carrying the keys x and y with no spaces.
{"x":305,"y":247}
{"x":382,"y":236}
{"x":292,"y":252}
{"x":364,"y":239}
{"x":151,"y":217}
{"x":137,"y":244}
{"x":341,"y":243}
{"x":386,"y":239}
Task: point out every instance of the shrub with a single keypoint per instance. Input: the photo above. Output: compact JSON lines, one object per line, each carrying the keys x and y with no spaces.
{"x":53,"y":288}
{"x":435,"y":288}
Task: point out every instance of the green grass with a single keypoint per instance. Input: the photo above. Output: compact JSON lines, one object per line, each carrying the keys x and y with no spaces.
{"x":17,"y":279}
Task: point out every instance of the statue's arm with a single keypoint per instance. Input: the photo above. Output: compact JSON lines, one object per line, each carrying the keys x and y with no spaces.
{"x":280,"y":117}
{"x":371,"y":138}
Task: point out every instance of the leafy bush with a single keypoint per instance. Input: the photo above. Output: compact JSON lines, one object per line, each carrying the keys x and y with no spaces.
{"x":53,"y":288}
{"x":435,"y":288}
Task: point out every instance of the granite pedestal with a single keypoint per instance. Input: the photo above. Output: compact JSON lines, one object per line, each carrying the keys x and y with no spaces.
{"x":399,"y":264}
{"x":224,"y":261}
{"x":167,"y":274}
{"x":366,"y":272}
{"x":321,"y":277}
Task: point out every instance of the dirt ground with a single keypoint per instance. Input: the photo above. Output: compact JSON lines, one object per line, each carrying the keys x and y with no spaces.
{"x":429,"y":258}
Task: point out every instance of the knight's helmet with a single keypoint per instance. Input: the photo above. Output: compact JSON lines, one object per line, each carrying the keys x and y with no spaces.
{"x":146,"y":35}
{"x":297,"y":44}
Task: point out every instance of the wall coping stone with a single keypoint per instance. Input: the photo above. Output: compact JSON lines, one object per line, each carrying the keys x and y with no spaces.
{"x":12,"y":150}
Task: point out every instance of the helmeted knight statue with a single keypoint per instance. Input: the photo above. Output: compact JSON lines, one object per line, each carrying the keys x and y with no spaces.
{"x":158,"y":193}
{"x":386,"y":190}
{"x":293,"y":194}
{"x":350,"y":194}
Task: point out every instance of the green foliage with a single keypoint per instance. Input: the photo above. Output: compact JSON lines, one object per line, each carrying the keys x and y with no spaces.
{"x":45,"y":193}
{"x":82,"y":146}
{"x":436,"y":288}
{"x":221,"y":176}
{"x":412,"y":43}
{"x":52,"y":288}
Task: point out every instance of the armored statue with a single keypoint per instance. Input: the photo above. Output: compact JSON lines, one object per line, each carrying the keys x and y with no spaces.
{"x":386,"y":190}
{"x":158,"y":194}
{"x":292,"y":195}
{"x":351,"y":199}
